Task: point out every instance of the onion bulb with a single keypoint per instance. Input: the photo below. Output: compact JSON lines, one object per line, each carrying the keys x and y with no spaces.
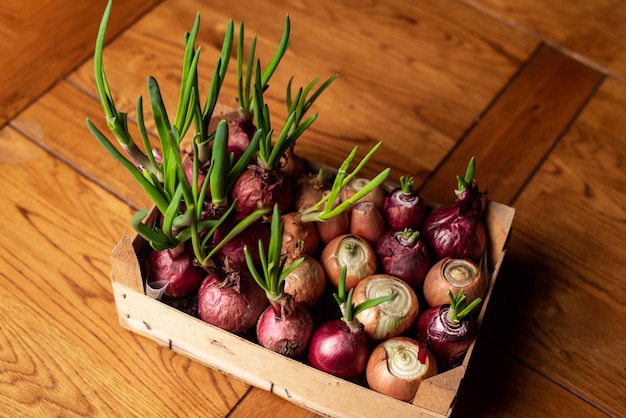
{"x":306,"y":282}
{"x":397,"y":366}
{"x":352,"y":252}
{"x":402,"y":254}
{"x":453,"y":274}
{"x":389,"y":319}
{"x":376,"y":196}
{"x":404,"y":208}
{"x":367,"y":222}
{"x":174,"y":269}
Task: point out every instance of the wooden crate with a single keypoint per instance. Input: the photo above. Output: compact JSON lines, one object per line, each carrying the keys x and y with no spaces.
{"x":285,"y":377}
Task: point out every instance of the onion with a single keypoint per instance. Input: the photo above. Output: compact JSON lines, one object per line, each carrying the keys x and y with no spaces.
{"x":352,"y":252}
{"x":310,"y":189}
{"x":257,"y":186}
{"x":174,"y":269}
{"x":403,"y":255}
{"x":306,"y":282}
{"x":458,"y":231}
{"x":404,"y":208}
{"x":453,"y":274}
{"x":337,"y":349}
{"x":294,"y":166}
{"x":367,"y":222}
{"x":448,"y":330}
{"x":233,"y":249}
{"x":391,"y":318}
{"x":397,"y":366}
{"x":240,"y":132}
{"x":298,"y":234}
{"x":287,"y":333}
{"x":339,"y":224}
{"x":234,"y":304}
{"x":376,"y":196}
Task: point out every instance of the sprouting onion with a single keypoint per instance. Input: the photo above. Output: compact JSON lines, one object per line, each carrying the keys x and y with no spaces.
{"x":284,"y":327}
{"x":339,"y":346}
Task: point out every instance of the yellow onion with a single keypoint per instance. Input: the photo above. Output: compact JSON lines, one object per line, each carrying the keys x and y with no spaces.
{"x":352,"y":252}
{"x":298,"y":234}
{"x":367,"y":222}
{"x":391,"y":318}
{"x":376,"y":196}
{"x":397,"y":367}
{"x":306,"y":282}
{"x":453,"y":274}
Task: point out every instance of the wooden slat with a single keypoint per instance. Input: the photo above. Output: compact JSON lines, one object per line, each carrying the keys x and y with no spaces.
{"x":62,"y":350}
{"x":41,"y":41}
{"x":403,"y":69}
{"x":519,"y":129}
{"x":559,"y":310}
{"x":592,"y":31}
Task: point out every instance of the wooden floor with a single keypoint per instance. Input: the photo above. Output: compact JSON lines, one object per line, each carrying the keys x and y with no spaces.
{"x":535,"y":90}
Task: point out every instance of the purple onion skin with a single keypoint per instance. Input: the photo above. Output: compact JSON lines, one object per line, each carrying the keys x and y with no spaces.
{"x":450,"y":233}
{"x":177,"y":269}
{"x":448,"y":341}
{"x":233,"y":249}
{"x":240,"y":133}
{"x":258,"y":187}
{"x":228,"y":308}
{"x":404,"y":210}
{"x":336,"y":350}
{"x":289,"y":336}
{"x":402,"y":259}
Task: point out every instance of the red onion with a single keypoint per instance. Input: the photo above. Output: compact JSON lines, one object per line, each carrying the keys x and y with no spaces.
{"x":403,"y":255}
{"x":398,"y":366}
{"x":233,"y":304}
{"x":174,"y":269}
{"x":233,"y":249}
{"x":404,"y":208}
{"x":240,"y":132}
{"x":261,"y":187}
{"x":458,"y":231}
{"x":448,"y":330}
{"x":287,"y":332}
{"x":339,"y":347}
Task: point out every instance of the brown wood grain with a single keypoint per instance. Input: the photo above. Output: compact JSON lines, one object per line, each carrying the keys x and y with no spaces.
{"x":62,"y":351}
{"x":41,"y":41}
{"x":420,"y":56}
{"x":592,"y":31}
{"x":564,"y":259}
{"x":521,"y":127}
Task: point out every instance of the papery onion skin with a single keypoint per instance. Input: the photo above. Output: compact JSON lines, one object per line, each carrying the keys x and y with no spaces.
{"x":234,"y":310}
{"x":450,"y":233}
{"x":240,"y":132}
{"x":175,"y":267}
{"x":404,"y":210}
{"x":376,"y":196}
{"x":462,"y":274}
{"x":391,"y":318}
{"x":295,"y":230}
{"x":309,"y":189}
{"x":288,"y":336}
{"x":333,"y":227}
{"x":367,"y":222}
{"x":337,"y":350}
{"x":257,"y":187}
{"x":405,"y":258}
{"x":448,"y":341}
{"x":335,"y":255}
{"x":233,"y":249}
{"x":402,"y":386}
{"x":306,"y":283}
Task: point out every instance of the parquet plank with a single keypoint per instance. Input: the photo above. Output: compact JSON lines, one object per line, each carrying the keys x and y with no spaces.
{"x":41,"y":41}
{"x":403,"y":68}
{"x":564,"y":280}
{"x":592,"y":31}
{"x":62,"y":351}
{"x":520,"y":128}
